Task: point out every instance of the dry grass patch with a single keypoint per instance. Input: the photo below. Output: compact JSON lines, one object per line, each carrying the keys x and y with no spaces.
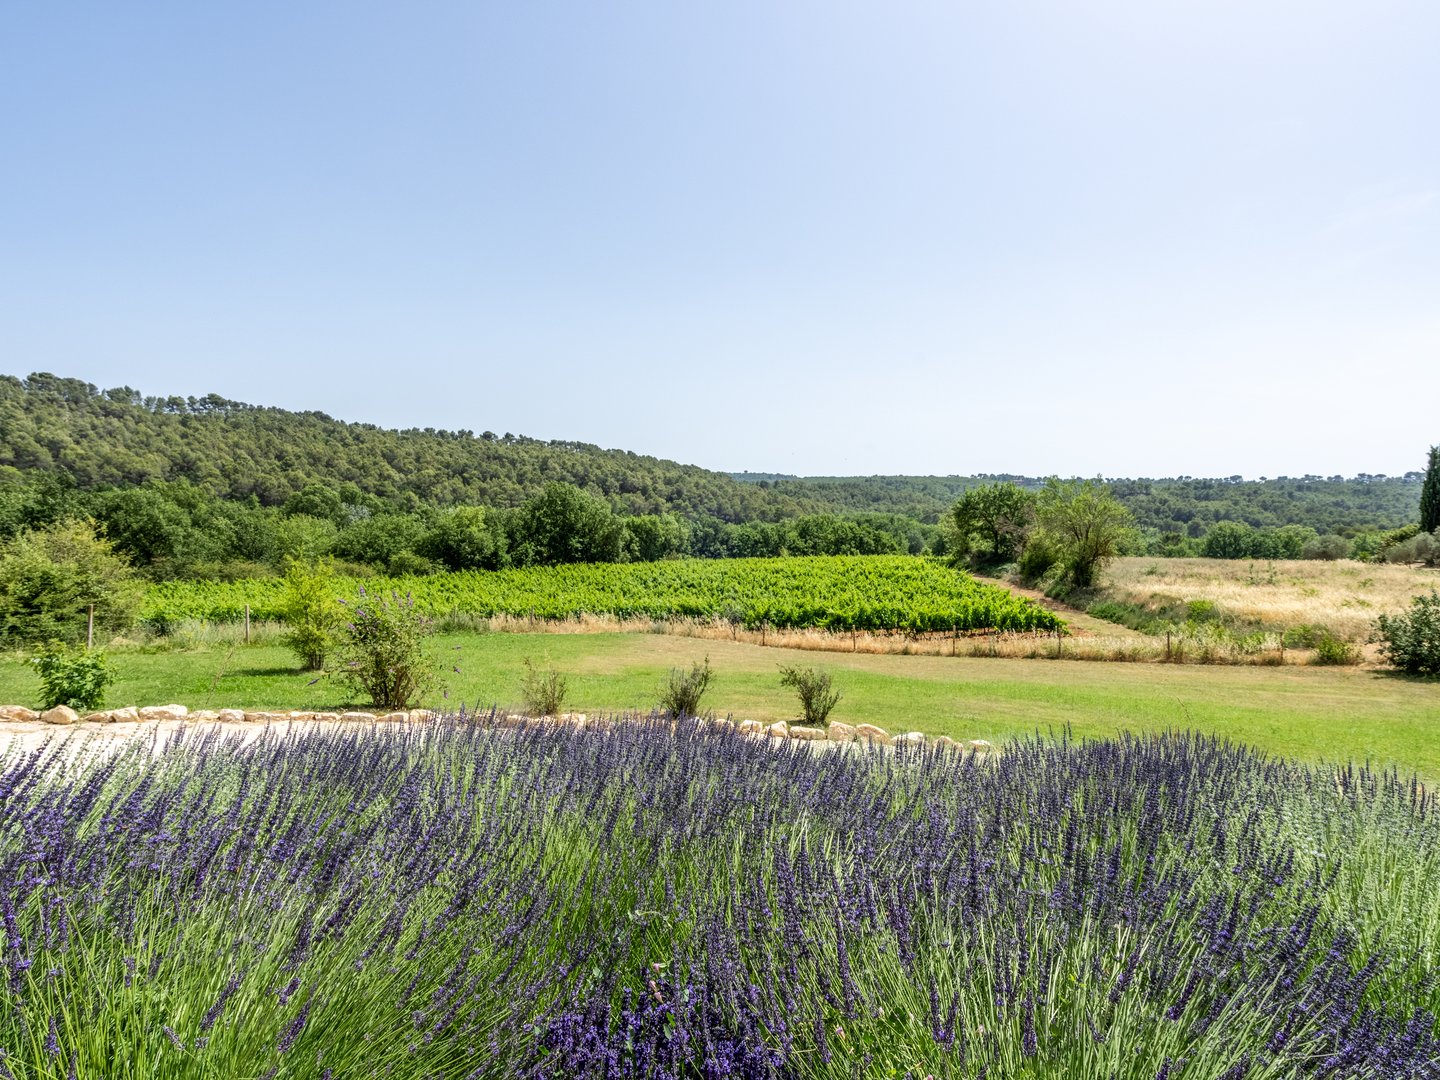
{"x":1343,"y":597}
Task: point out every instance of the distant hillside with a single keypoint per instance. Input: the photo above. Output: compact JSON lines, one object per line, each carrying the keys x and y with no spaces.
{"x":1187,"y":505}
{"x":120,"y":438}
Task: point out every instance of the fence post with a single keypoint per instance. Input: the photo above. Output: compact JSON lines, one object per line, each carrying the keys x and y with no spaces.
{"x":90,"y":628}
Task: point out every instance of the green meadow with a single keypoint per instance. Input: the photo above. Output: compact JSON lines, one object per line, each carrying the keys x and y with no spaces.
{"x":1309,"y":713}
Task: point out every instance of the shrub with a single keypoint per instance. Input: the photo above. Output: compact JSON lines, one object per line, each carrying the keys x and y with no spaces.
{"x":1038,"y":558}
{"x":50,"y":577}
{"x":1332,"y":651}
{"x":1411,"y":641}
{"x":74,"y":677}
{"x":813,"y":687}
{"x":1304,"y":636}
{"x":381,"y":651}
{"x":680,"y":696}
{"x":1328,"y":548}
{"x":310,"y":609}
{"x":1420,"y":548}
{"x":542,"y":691}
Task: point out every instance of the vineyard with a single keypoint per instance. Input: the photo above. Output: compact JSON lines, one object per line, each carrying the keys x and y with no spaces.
{"x":837,"y":593}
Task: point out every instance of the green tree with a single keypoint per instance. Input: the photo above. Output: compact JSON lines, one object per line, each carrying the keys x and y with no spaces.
{"x":1430,"y":494}
{"x":1086,"y":523}
{"x":50,"y":577}
{"x":991,"y":523}
{"x":381,"y":652}
{"x":467,"y":538}
{"x":652,"y":537}
{"x":311,"y":609}
{"x":566,"y":525}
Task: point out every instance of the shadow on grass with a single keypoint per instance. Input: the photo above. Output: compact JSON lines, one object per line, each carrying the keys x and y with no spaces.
{"x":1405,"y":677}
{"x":272,"y":672}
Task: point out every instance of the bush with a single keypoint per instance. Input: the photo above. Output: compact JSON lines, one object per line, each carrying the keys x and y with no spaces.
{"x":1304,"y":636}
{"x":49,"y":578}
{"x":381,"y":652}
{"x":1328,"y":548}
{"x":816,"y":697}
{"x":1038,"y":558}
{"x":73,"y":677}
{"x":542,"y":691}
{"x":310,"y":609}
{"x":1411,"y":641}
{"x":1420,"y":548}
{"x":1332,"y":651}
{"x":681,"y":695}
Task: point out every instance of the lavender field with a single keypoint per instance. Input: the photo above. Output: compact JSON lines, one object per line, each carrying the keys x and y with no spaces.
{"x":470,"y":900}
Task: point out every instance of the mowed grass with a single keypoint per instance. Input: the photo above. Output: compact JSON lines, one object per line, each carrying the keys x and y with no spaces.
{"x":1311,"y":714}
{"x":1343,"y":597}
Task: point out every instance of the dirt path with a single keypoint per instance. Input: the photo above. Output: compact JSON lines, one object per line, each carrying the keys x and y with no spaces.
{"x":1081,"y":624}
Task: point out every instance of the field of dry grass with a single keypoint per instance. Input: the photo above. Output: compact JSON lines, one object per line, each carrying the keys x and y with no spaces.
{"x":1342,"y":597}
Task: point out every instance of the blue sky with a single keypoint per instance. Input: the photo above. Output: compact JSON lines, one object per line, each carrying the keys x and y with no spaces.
{"x":1116,"y":237}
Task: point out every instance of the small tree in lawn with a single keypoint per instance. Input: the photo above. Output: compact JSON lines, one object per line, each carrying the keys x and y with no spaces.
{"x":813,"y":688}
{"x":310,"y":609}
{"x":680,"y":696}
{"x":381,"y":651}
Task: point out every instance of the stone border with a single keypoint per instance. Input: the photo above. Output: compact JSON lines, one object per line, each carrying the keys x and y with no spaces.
{"x":836,"y":732}
{"x":64,"y":715}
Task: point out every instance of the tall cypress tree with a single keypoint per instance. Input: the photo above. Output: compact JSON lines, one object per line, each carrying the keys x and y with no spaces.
{"x":1430,"y":494}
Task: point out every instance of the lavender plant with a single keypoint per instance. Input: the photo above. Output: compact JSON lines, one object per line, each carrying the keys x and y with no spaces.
{"x":477,"y":900}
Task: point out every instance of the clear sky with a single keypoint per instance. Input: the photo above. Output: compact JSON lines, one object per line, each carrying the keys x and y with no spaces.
{"x":1118,"y":237}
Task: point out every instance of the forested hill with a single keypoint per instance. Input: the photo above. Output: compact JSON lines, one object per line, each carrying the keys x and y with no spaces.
{"x":1186,"y":505}
{"x":118,"y":438}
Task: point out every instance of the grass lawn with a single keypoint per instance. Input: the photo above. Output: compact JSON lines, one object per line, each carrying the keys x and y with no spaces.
{"x":1315,"y":714}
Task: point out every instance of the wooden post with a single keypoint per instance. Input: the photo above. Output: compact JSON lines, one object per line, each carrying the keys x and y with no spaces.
{"x":90,"y":628}
{"x":247,"y":624}
{"x":1167,"y":644}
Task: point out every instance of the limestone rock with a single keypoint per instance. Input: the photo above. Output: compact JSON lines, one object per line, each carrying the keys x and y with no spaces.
{"x":60,"y":714}
{"x":945,"y":742}
{"x":910,"y":738}
{"x":230,"y":716}
{"x":980,"y":746}
{"x":751,"y":727}
{"x":17,"y":712}
{"x":395,"y":718}
{"x":358,"y":717}
{"x":326,"y":717}
{"x":257,"y":717}
{"x":204,"y":716}
{"x":420,"y":716}
{"x":872,"y":734}
{"x":838,"y":732}
{"x":105,"y":716}
{"x":814,"y":734}
{"x":778,"y":730}
{"x":128,"y":715}
{"x":164,"y":712}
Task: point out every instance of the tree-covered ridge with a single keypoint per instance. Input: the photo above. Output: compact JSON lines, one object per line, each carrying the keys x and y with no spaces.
{"x":120,"y":438}
{"x":1186,"y":505}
